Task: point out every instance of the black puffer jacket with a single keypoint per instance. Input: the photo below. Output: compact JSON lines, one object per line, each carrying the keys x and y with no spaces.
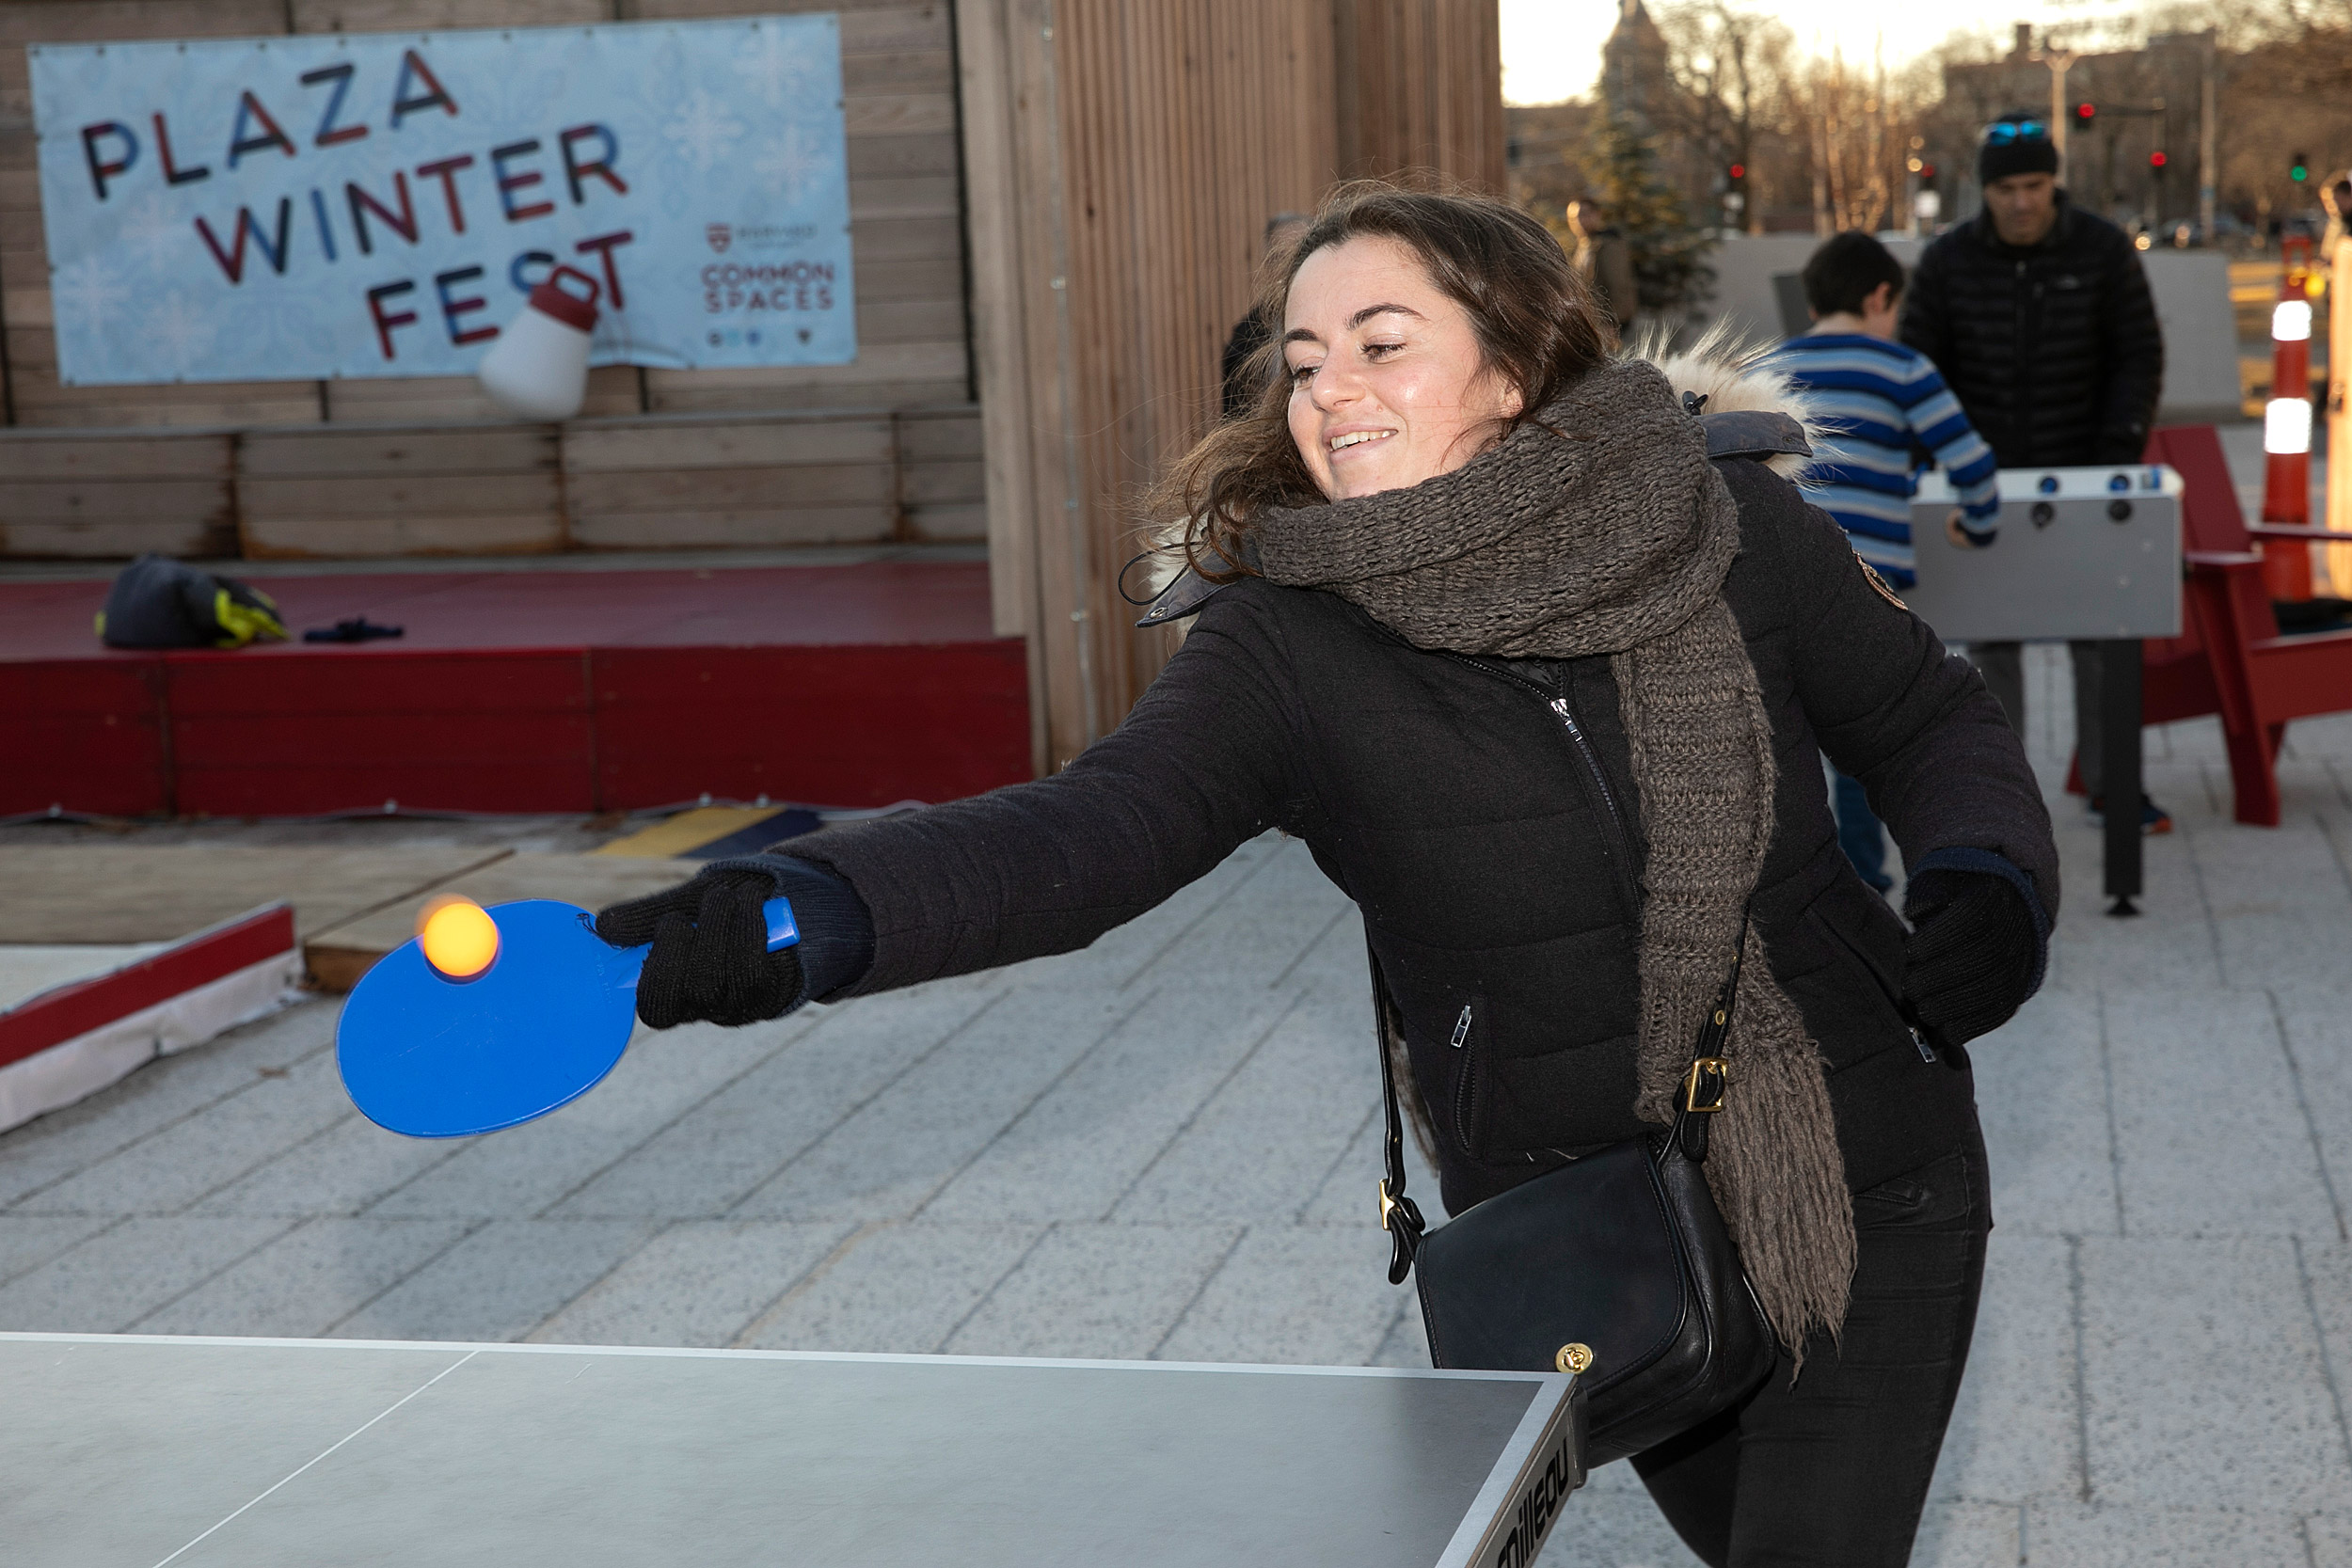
{"x":1495,"y":855}
{"x":2052,"y":349}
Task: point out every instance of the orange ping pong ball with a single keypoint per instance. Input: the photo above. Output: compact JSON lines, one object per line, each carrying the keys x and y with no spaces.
{"x":459,"y":939}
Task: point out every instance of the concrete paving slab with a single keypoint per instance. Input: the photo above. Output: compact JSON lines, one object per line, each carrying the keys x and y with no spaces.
{"x":499,"y":1283}
{"x":1350,"y":1193}
{"x":1406,"y":1343}
{"x":2327,"y":1277}
{"x":2209,"y":1138}
{"x":1073,"y":1154}
{"x":697,"y":1283}
{"x":2017,"y":1429}
{"x":716,"y":1154}
{"x":2318,"y":1038}
{"x":2330,"y":1539}
{"x":1968,"y":1535}
{"x":1263,"y":1147}
{"x":160,"y":1094}
{"x":526,"y":1170}
{"x":1257,"y":940}
{"x":1293,"y":1293}
{"x":2082,"y":1536}
{"x":2171,"y":944}
{"x":886,"y":1160}
{"x":895,"y":1288}
{"x":2329,"y":735}
{"x":184,"y":1163}
{"x":1613,"y":1529}
{"x":2042,"y":1097}
{"x":2203,"y":1377}
{"x":339,"y":1170}
{"x":120,"y":1276}
{"x":306,"y":1280}
{"x":1097,"y":1290}
{"x":2280,"y":916}
{"x":28,"y":1241}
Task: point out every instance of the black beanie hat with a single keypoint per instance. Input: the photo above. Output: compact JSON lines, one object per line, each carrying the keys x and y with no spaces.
{"x":2015,"y":146}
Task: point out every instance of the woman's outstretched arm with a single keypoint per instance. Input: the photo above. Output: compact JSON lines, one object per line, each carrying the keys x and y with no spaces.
{"x":1206,"y":761}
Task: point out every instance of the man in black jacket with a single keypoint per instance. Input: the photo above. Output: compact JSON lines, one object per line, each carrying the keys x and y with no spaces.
{"x":2038,"y":313}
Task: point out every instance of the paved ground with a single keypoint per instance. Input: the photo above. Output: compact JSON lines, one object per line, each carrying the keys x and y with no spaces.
{"x":1163,"y":1146}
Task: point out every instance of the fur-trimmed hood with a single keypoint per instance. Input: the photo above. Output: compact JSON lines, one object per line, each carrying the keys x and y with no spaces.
{"x":1749,"y":406}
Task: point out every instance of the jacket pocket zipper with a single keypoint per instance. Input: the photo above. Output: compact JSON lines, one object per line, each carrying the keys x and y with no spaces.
{"x":1462,"y":1081}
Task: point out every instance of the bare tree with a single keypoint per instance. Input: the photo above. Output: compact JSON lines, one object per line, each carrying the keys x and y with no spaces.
{"x":1859,"y":137}
{"x":1731,"y":68}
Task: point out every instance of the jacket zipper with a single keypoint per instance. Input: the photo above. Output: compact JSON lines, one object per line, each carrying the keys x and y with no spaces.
{"x":1621,"y":840}
{"x":1462,"y":1081}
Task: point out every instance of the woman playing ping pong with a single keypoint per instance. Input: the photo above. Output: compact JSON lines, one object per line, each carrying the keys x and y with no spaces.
{"x":1541,"y":666}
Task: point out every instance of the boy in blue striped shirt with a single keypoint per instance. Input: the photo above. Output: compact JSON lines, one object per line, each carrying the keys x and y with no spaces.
{"x":1882,"y":407}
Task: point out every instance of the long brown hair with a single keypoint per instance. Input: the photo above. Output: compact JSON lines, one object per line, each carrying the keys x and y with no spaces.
{"x":1532,"y":316}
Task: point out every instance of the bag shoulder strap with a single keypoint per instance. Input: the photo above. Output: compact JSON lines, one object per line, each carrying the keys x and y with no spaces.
{"x":1701,"y":1096}
{"x":1400,"y":1216}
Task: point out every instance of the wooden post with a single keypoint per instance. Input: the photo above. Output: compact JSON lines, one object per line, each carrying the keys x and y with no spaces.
{"x":1120,"y":163}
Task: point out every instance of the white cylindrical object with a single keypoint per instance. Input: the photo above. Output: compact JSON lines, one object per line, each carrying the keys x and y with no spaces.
{"x":2291,"y":322}
{"x":2287,"y":426}
{"x":539,"y":366}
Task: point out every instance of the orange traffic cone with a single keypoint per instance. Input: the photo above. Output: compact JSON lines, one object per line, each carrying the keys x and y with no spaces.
{"x":2287,"y":431}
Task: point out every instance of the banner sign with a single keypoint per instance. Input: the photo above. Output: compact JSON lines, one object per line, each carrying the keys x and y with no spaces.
{"x":359,"y":204}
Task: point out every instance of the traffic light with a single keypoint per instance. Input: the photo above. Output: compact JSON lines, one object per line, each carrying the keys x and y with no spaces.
{"x":1927,"y":171}
{"x":2084,"y":114}
{"x":1739,"y":172}
{"x":2300,"y":170}
{"x":2157,"y":160}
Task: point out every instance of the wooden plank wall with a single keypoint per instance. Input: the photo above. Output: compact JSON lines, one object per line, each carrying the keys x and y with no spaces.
{"x":1122,"y":160}
{"x":900,"y":97}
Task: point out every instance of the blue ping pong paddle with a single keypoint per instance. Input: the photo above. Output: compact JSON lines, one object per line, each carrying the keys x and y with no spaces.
{"x":436,"y":1058}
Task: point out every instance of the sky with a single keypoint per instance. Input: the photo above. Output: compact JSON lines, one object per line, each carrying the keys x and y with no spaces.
{"x":1552,"y":48}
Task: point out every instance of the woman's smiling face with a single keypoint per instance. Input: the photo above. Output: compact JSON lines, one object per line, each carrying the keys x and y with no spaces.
{"x":1387,"y":384}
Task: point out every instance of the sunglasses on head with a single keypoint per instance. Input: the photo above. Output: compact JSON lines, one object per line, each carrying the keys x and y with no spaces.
{"x":2007,"y":131}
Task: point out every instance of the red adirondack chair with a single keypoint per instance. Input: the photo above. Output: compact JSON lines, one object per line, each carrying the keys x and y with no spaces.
{"x":2230,"y":658}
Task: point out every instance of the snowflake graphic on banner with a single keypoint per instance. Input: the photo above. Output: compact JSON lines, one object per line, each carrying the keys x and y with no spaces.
{"x":703,"y":130}
{"x":795,"y":161}
{"x":184,"y":327}
{"x":154,"y":232}
{"x":784,"y":74}
{"x":87,"y":293}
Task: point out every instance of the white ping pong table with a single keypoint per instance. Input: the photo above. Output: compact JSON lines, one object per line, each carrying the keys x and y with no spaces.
{"x":148,"y":1452}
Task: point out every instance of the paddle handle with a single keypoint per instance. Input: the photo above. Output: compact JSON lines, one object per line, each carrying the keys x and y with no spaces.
{"x":783,"y":931}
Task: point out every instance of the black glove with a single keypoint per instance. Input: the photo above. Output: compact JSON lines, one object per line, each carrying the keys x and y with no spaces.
{"x":1973,"y":955}
{"x":710,"y":957}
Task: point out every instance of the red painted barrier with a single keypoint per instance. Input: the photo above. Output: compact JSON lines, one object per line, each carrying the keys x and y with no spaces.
{"x":525,"y":691}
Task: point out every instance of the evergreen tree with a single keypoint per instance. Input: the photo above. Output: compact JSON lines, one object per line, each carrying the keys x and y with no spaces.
{"x":1669,"y":267}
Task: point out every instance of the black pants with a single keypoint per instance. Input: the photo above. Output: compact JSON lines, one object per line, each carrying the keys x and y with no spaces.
{"x":1834,"y":1468}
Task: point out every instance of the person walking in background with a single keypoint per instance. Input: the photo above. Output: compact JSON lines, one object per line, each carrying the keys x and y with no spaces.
{"x":2038,"y":315}
{"x":1251,"y":333}
{"x":1879,"y":404}
{"x":1605,"y":261}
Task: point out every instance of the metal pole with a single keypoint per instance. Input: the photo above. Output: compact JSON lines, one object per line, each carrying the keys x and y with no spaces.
{"x":2208,"y":134}
{"x":2118,"y":732}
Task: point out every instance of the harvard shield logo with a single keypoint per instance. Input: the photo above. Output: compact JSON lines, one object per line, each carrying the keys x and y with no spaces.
{"x":720,"y":236}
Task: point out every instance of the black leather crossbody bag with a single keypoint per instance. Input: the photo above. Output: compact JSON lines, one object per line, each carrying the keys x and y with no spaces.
{"x":1616,"y":1267}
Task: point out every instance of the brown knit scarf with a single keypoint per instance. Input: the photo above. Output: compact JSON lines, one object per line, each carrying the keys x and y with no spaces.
{"x":1600,"y":527}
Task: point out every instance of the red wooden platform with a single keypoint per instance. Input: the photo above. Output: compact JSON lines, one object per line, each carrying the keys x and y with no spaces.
{"x":524,"y":692}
